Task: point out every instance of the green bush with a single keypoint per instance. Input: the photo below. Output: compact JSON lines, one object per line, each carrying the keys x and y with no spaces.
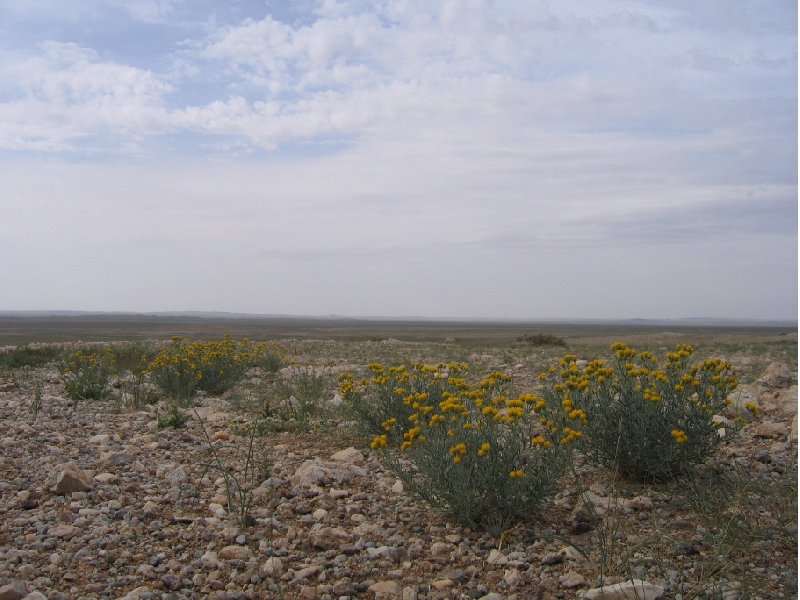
{"x":28,"y":356}
{"x":486,"y":459}
{"x":542,"y":339}
{"x":371,"y":402}
{"x":87,"y":374}
{"x":642,"y":418}
{"x":174,"y":370}
{"x":213,"y":366}
{"x":174,"y":418}
{"x":300,"y":398}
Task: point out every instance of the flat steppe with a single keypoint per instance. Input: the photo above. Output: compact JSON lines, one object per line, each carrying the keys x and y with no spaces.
{"x":328,"y":520}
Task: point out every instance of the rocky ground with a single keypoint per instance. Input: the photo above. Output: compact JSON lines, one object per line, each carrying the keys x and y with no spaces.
{"x":101,"y":504}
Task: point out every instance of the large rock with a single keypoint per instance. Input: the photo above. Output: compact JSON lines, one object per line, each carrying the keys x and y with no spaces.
{"x":348,"y":455}
{"x":318,"y":472}
{"x":15,"y":590}
{"x":636,"y":589}
{"x":771,"y":429}
{"x":777,"y":375}
{"x":787,"y":401}
{"x":235,"y":553}
{"x":329,"y":538}
{"x":72,"y":479}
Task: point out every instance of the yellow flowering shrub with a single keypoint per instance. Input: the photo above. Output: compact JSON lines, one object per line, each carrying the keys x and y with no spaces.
{"x":465,"y":446}
{"x":212,"y":366}
{"x":645,"y":417}
{"x":86,"y":374}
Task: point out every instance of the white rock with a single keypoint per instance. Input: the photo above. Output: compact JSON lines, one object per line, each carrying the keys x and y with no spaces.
{"x":639,"y":503}
{"x":210,"y":559}
{"x":635,"y":589}
{"x":512,"y":577}
{"x":398,"y":488}
{"x":777,"y":375}
{"x":572,"y":579}
{"x":496,"y":557}
{"x":348,"y":455}
{"x":273,"y":567}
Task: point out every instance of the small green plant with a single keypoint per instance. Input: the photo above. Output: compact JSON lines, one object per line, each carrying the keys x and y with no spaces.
{"x":174,"y":418}
{"x":483,"y":457}
{"x":29,"y":381}
{"x":29,"y":356}
{"x":87,"y":374}
{"x":646,"y":420}
{"x":239,"y":483}
{"x":542,"y":339}
{"x":36,"y":397}
{"x":132,"y":361}
{"x":300,"y":397}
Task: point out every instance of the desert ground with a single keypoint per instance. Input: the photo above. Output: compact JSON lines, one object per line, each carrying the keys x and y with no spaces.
{"x":98,"y":499}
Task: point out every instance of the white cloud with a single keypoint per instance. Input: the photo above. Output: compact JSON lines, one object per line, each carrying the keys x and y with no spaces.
{"x":511,"y":144}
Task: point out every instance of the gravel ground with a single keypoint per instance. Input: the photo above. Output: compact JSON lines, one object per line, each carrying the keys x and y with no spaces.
{"x":100,"y":504}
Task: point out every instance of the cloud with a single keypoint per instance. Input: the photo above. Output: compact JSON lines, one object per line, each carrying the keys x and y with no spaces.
{"x":70,"y":94}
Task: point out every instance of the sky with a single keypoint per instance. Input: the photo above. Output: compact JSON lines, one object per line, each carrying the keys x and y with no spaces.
{"x":516,"y":159}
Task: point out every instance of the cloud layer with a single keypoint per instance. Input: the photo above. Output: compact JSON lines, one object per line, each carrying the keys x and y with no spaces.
{"x":575,"y":159}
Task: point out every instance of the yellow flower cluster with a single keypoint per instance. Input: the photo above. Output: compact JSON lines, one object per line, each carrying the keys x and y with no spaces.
{"x":516,"y":474}
{"x":680,"y":436}
{"x":380,"y":441}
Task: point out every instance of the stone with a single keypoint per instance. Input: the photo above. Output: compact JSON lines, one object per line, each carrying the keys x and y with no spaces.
{"x":409,"y":593}
{"x":571,"y":553}
{"x":441,"y":548}
{"x":638,"y":503}
{"x":552,"y":558}
{"x":35,"y":596}
{"x":771,"y":429}
{"x":492,"y":596}
{"x":348,"y":455}
{"x":63,"y":531}
{"x":15,"y":590}
{"x":635,"y":589}
{"x":176,"y":475}
{"x":272,"y":567}
{"x":235,"y":553}
{"x":329,"y":538}
{"x":787,"y":401}
{"x":210,"y":559}
{"x":105,"y":478}
{"x":308,"y":592}
{"x":118,"y":459}
{"x":397,"y":488}
{"x":315,"y":472}
{"x":307,"y":572}
{"x":389,"y":588}
{"x":512,"y":578}
{"x":794,"y":429}
{"x":777,"y":375}
{"x":496,"y":557}
{"x":71,"y":479}
{"x":571,"y":579}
